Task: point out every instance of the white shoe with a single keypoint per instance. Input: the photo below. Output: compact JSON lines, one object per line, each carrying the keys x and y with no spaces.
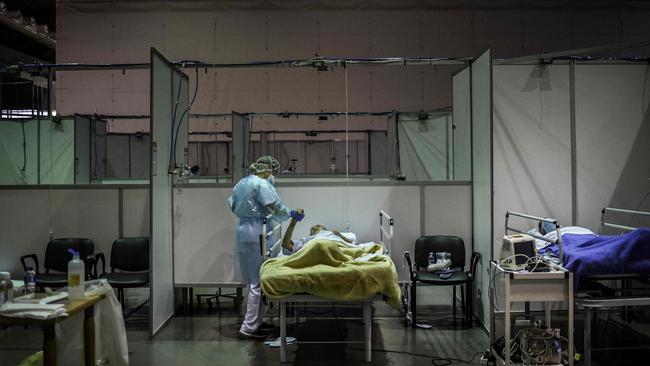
{"x":277,"y":342}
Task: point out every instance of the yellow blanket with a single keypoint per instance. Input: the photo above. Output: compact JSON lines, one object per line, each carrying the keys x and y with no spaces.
{"x":328,"y":269}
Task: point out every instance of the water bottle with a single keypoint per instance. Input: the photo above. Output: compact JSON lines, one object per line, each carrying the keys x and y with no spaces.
{"x":76,"y":277}
{"x":7,"y":287}
{"x":30,"y":281}
{"x":432,"y":259}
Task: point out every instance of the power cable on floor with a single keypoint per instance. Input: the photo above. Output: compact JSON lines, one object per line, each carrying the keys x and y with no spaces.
{"x":435,"y":360}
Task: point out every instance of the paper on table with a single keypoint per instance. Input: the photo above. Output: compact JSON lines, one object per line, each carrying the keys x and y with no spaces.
{"x":36,"y":299}
{"x":33,"y":311}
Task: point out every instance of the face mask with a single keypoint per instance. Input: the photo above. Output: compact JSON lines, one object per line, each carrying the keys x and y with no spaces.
{"x":271,"y":179}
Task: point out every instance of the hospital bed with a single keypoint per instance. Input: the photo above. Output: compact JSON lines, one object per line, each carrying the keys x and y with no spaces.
{"x":270,"y":250}
{"x":577,"y":252}
{"x":590,"y":297}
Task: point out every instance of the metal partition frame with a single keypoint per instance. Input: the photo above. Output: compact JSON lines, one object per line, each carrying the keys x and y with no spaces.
{"x":241,"y":126}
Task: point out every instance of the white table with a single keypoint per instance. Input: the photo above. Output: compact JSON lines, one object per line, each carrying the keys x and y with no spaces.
{"x":545,"y":287}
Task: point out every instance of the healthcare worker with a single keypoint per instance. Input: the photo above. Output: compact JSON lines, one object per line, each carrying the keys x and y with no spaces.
{"x":252,"y":199}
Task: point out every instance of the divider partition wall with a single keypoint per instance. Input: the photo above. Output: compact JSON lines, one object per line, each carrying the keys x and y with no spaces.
{"x":169,"y":98}
{"x":571,"y":138}
{"x":481,"y":112}
{"x":204,"y":243}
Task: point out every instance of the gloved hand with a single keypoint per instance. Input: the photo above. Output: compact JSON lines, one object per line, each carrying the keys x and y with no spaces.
{"x":297,"y":215}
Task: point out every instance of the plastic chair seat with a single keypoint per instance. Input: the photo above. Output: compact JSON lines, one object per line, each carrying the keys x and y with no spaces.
{"x":52,"y":280}
{"x":431,"y":278}
{"x":126,"y":280}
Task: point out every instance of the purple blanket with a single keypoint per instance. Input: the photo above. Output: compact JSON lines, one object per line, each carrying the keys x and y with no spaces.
{"x":588,"y":255}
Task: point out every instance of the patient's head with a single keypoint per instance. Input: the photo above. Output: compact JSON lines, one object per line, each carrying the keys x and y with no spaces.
{"x":316,"y":229}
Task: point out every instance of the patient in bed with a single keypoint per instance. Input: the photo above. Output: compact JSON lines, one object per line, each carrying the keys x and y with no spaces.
{"x":318,"y":231}
{"x":549,"y":231}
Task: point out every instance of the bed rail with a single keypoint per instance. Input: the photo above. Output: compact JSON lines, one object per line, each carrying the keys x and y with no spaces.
{"x":266,"y":234}
{"x":387,"y":233}
{"x":604,"y":223}
{"x":540,"y":237}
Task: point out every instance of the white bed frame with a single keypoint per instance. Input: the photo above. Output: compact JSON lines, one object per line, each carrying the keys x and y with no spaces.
{"x":386,"y":237}
{"x":508,"y":228}
{"x":266,"y":234}
{"x":604,"y":224}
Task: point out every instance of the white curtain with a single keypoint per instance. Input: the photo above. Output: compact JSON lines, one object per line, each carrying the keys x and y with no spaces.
{"x":423,"y":147}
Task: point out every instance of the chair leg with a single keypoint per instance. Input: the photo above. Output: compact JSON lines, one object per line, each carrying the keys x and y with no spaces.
{"x":413,"y":304}
{"x":123,"y":301}
{"x":462,"y":300}
{"x":469,"y":303}
{"x":453,"y":301}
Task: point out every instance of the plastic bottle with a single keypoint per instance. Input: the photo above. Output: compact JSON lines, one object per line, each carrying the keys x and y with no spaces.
{"x":30,"y":281}
{"x":76,"y":277}
{"x":7,"y":287}
{"x":432,"y":259}
{"x":2,"y":291}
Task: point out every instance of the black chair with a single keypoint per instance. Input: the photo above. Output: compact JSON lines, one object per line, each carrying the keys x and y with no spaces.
{"x":57,"y":258}
{"x":129,"y":256}
{"x":456,"y":247}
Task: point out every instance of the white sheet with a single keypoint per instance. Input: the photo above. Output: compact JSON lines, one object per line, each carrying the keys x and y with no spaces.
{"x":539,"y":244}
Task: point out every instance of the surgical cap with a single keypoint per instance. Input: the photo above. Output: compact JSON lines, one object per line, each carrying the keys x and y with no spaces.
{"x":257,"y":168}
{"x":270,"y":161}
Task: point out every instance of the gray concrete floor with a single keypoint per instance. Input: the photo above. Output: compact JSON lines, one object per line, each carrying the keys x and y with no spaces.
{"x":210,"y":337}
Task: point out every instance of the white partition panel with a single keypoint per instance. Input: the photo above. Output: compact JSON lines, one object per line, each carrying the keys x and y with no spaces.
{"x":25,"y":226}
{"x":87,"y":213}
{"x":163,"y":99}
{"x":327,"y":206}
{"x":135,"y":212}
{"x":447,"y":212}
{"x":204,"y":237}
{"x":532,"y":143}
{"x":462,"y":114}
{"x":29,"y":215}
{"x":481,"y":80}
{"x":612,"y":138}
{"x":205,"y":227}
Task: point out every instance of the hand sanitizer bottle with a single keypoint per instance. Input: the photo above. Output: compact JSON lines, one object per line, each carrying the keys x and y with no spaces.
{"x":76,"y":277}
